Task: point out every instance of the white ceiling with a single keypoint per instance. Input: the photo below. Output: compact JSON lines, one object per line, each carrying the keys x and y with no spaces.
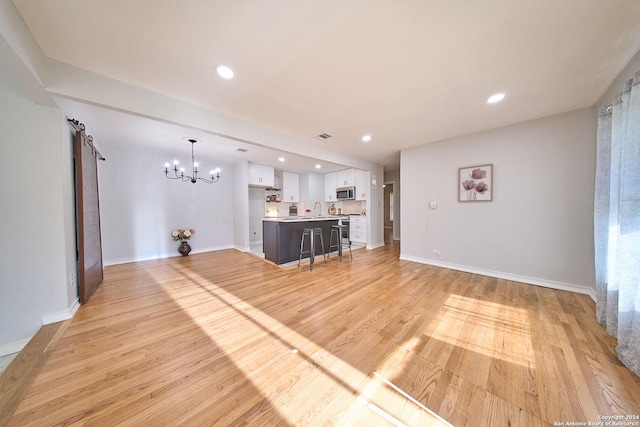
{"x":407,"y":72}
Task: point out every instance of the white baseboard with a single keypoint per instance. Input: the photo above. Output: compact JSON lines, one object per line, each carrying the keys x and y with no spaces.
{"x":13,"y":347}
{"x":47,"y":319}
{"x":507,"y":276}
{"x":241,"y":249}
{"x":107,"y":263}
{"x":375,"y":245}
{"x":61,"y":315}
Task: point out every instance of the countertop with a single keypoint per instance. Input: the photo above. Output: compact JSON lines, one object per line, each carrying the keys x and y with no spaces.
{"x":305,"y":218}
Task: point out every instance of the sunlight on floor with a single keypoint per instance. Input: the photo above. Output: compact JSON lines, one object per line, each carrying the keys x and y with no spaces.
{"x":499,"y":331}
{"x":283,"y":377}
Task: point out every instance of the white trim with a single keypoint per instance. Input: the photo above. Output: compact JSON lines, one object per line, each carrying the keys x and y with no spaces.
{"x":238,"y":248}
{"x":13,"y":347}
{"x":507,"y":276}
{"x":47,"y":319}
{"x":61,"y":315}
{"x":162,"y":256}
{"x":375,"y":245}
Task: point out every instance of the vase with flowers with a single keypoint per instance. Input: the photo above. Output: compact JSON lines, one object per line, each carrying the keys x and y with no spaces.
{"x":183,"y":234}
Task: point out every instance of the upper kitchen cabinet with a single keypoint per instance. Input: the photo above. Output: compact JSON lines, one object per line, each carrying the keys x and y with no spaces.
{"x":260,"y":175}
{"x":330,"y":187}
{"x":290,"y":187}
{"x":346,"y":178}
{"x":362,"y":184}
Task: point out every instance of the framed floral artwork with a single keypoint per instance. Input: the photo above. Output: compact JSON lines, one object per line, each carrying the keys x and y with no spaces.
{"x":475,"y":184}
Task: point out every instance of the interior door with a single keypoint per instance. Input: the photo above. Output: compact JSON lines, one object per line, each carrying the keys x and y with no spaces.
{"x":89,"y":244}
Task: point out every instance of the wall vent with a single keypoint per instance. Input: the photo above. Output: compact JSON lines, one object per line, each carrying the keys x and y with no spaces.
{"x":324,"y":136}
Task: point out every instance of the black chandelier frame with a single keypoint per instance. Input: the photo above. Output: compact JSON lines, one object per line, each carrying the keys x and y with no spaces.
{"x":179,"y":173}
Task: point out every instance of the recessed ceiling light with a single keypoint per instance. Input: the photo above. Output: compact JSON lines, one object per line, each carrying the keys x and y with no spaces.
{"x":281,"y":159}
{"x":495,"y":98}
{"x":318,"y":166}
{"x":224,"y":72}
{"x":366,"y":138}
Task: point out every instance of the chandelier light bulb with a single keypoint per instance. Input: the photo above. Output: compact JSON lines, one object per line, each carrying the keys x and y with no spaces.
{"x":180,"y":173}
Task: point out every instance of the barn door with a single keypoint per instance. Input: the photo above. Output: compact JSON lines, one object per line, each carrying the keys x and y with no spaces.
{"x":89,"y":244}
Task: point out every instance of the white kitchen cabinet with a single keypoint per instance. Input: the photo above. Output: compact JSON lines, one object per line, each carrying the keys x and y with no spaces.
{"x":260,"y":175}
{"x":330,"y":187}
{"x":290,"y":187}
{"x":346,"y":178}
{"x":358,"y":229}
{"x":362,"y":184}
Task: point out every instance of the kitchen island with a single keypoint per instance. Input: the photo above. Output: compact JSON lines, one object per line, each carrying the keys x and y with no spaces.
{"x":281,"y":236}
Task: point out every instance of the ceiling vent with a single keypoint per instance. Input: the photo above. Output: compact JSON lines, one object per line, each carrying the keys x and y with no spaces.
{"x":324,"y":136}
{"x":242,"y":150}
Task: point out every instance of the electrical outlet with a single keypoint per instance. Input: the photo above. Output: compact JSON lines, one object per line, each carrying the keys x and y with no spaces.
{"x":436,"y":252}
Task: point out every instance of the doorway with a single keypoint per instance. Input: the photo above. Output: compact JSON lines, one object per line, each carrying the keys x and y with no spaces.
{"x":389,"y":217}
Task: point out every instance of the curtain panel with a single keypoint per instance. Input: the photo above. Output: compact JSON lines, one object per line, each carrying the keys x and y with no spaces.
{"x":617,"y":222}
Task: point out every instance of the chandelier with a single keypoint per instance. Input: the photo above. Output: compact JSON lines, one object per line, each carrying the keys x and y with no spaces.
{"x":179,"y":173}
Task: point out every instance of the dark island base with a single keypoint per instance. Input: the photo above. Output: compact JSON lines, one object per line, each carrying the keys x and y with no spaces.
{"x":281,"y":239}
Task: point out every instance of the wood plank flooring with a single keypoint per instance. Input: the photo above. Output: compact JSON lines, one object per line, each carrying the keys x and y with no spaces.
{"x":224,"y":338}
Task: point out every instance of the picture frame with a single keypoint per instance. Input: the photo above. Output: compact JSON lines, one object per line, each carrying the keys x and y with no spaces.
{"x":475,"y":183}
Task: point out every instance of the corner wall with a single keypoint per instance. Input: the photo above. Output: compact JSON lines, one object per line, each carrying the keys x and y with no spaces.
{"x":33,"y":275}
{"x":539,"y":227}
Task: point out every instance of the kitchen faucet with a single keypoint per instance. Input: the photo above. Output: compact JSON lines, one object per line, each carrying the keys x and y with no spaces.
{"x":320,"y":210}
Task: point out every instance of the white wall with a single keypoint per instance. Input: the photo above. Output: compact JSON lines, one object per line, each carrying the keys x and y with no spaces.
{"x":69,"y":203}
{"x":539,"y":227}
{"x":375,"y":208}
{"x":241,"y":207}
{"x":33,"y":275}
{"x":139,"y":207}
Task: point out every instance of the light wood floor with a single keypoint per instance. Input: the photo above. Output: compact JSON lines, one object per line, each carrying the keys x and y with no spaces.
{"x":225,"y":338}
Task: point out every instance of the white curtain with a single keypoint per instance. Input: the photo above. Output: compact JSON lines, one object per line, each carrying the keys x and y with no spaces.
{"x":617,"y":222}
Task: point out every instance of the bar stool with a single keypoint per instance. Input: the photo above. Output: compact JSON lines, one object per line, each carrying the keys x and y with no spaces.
{"x":338,"y":231}
{"x":312,"y":233}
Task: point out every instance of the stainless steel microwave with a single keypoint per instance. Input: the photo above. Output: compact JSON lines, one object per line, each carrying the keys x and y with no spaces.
{"x":346,"y":193}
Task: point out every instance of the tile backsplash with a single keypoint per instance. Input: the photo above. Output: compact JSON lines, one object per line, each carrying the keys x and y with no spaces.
{"x":347,"y":207}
